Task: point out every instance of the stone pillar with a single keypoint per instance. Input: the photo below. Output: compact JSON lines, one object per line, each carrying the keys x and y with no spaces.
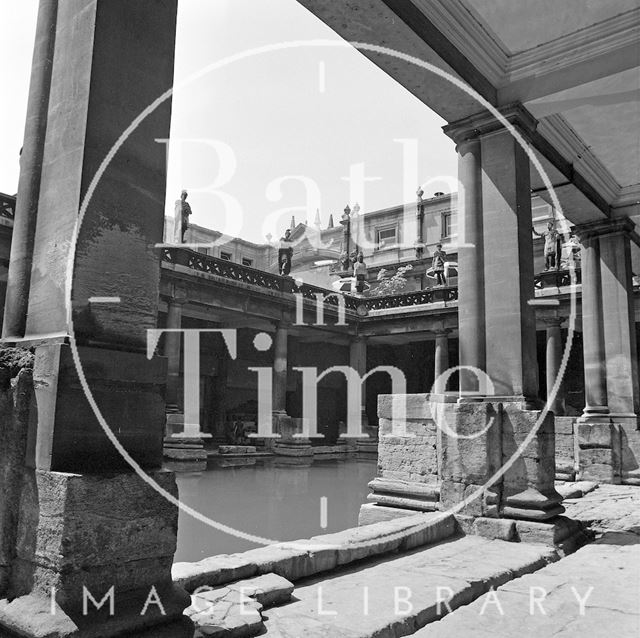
{"x":620,"y":346}
{"x":508,"y":267}
{"x":184,"y":441}
{"x":17,"y":295}
{"x":497,"y":331}
{"x":283,"y":424}
{"x":595,"y":380}
{"x":76,"y":484}
{"x":280,"y":369}
{"x":598,"y":438}
{"x":358,"y":362}
{"x":172,"y":350}
{"x":608,"y":439}
{"x":471,"y":318}
{"x":555,"y":400}
{"x":441,"y":361}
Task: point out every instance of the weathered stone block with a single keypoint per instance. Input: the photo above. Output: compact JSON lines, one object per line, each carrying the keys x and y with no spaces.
{"x":77,"y":530}
{"x":478,"y":500}
{"x":470,"y":442}
{"x":597,"y":435}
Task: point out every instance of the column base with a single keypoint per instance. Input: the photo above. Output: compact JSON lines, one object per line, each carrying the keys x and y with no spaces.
{"x":288,"y":444}
{"x":84,"y":534}
{"x":599,"y":451}
{"x":181,"y":445}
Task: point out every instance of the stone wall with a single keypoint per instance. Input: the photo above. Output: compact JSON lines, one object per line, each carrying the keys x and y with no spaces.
{"x":566,"y":457}
{"x":16,"y":390}
{"x":407,"y":464}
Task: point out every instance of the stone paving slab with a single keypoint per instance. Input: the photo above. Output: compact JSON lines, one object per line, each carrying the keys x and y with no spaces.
{"x":608,"y":508}
{"x":395,"y":597}
{"x":304,"y":558}
{"x":611,"y":566}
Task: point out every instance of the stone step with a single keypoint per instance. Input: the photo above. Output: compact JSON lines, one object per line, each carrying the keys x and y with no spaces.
{"x":234,"y":611}
{"x":303,"y":558}
{"x":237,"y":449}
{"x":392,"y":598}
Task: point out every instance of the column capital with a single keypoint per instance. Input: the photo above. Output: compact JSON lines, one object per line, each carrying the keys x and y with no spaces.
{"x":554,"y":321}
{"x":483,"y":123}
{"x":600,"y":228}
{"x":441,"y":332}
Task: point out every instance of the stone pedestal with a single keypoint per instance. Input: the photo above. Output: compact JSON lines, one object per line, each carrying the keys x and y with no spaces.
{"x":407,"y":480}
{"x":476,"y":459}
{"x":81,"y":535}
{"x":184,"y":442}
{"x":288,"y":444}
{"x":528,"y":484}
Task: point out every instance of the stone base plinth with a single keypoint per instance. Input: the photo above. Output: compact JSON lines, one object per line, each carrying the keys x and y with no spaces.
{"x":81,"y":535}
{"x":373,"y":513}
{"x":289,"y":444}
{"x":182,"y":444}
{"x":420,"y":497}
{"x":293,"y":447}
{"x":599,"y":450}
{"x":367,"y":446}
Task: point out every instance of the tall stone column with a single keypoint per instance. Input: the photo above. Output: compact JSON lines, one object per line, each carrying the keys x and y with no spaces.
{"x":358,"y":362}
{"x":280,"y":369}
{"x":609,"y":444}
{"x":172,"y":350}
{"x":618,"y":318}
{"x":497,"y":331}
{"x":441,"y":363}
{"x":553,"y":360}
{"x":471,"y":316}
{"x":17,"y":296}
{"x":76,"y":483}
{"x":184,"y":441}
{"x":595,"y":380}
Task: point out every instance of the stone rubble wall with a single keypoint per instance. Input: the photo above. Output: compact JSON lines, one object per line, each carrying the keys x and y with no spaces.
{"x":16,"y":391}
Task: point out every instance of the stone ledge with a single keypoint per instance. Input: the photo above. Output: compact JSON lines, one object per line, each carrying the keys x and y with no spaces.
{"x":299,"y":559}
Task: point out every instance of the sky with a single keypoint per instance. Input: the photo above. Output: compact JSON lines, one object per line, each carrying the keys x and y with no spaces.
{"x":277,"y":133}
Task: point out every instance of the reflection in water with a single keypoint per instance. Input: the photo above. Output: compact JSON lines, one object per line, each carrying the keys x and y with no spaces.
{"x":269,"y":498}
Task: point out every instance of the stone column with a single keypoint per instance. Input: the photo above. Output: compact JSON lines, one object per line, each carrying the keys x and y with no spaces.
{"x":172,"y":350}
{"x":595,"y":380}
{"x":497,"y":331}
{"x":553,"y":360}
{"x":280,"y":369}
{"x":441,"y":361}
{"x":358,"y":362}
{"x":609,"y":443}
{"x":621,"y":354}
{"x":76,"y":482}
{"x":471,"y":318}
{"x":184,"y":441}
{"x":283,"y":424}
{"x":620,"y":346}
{"x":17,"y":296}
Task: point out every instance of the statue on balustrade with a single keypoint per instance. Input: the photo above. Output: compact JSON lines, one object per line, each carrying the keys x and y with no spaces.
{"x":437,"y":263}
{"x":552,"y":248}
{"x":181,"y":219}
{"x":360,"y":273}
{"x":285,"y":253}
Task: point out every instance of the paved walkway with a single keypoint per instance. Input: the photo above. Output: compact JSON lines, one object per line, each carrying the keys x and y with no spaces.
{"x":394,"y":597}
{"x":594,"y":592}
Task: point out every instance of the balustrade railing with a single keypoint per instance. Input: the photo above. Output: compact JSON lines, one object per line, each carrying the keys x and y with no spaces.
{"x":247,"y":274}
{"x":555,"y":278}
{"x":7,"y":206}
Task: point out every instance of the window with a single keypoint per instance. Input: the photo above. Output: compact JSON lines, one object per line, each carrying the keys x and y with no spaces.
{"x":386,"y":237}
{"x":225,"y":256}
{"x":247,"y":262}
{"x":449,"y":225}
